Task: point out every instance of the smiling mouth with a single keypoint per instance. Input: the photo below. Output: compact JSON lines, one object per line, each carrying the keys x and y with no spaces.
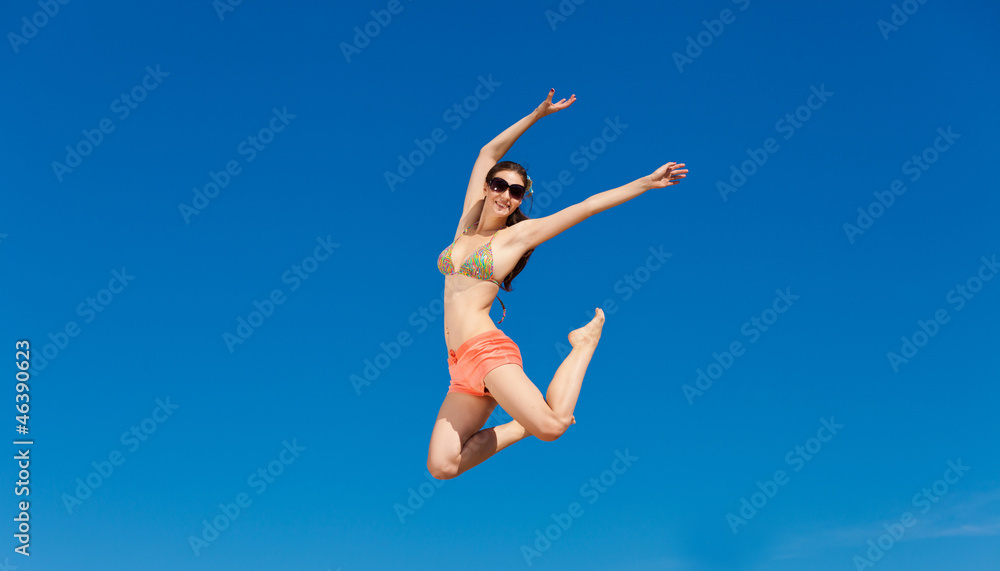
{"x":500,"y":205}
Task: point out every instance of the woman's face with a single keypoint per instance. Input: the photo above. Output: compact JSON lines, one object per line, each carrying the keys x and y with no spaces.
{"x":503,"y":203}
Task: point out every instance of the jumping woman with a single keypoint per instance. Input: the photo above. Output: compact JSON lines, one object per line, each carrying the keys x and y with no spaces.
{"x":494,"y":238}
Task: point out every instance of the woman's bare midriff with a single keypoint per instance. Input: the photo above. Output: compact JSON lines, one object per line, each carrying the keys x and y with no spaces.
{"x":467,"y":303}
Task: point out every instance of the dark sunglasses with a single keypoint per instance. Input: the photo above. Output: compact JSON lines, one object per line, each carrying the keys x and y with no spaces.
{"x":499,"y":185}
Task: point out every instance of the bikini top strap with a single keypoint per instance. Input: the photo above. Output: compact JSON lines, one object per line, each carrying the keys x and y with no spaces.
{"x":495,"y":235}
{"x":463,"y":232}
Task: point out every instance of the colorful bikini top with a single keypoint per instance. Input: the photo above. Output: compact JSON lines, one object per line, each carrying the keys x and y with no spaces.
{"x":478,"y":265}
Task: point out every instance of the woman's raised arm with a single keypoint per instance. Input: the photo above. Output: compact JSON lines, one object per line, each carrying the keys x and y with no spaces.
{"x":533,"y":232}
{"x":493,"y":151}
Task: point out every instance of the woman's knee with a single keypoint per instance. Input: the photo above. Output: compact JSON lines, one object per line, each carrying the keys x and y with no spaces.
{"x":551,"y":428}
{"x":442,"y":468}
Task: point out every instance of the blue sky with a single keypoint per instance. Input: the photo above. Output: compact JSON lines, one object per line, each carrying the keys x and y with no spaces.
{"x":171,"y":170}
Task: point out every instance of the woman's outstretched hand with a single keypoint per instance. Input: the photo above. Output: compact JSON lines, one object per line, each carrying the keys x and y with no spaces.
{"x":667,"y":175}
{"x":547,"y":107}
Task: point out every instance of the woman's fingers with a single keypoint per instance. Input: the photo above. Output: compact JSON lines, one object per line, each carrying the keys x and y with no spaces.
{"x":669,"y":174}
{"x":563,"y":103}
{"x":664,"y":170}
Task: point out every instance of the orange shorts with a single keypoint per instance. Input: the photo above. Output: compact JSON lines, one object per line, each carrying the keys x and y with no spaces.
{"x":477,"y":357}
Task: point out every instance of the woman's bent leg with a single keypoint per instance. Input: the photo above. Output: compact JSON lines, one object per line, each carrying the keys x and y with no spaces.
{"x":547,"y":418}
{"x":457,"y":443}
{"x":461,"y":416}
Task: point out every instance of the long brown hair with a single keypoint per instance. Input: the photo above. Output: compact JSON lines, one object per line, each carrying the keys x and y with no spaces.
{"x":514,"y":217}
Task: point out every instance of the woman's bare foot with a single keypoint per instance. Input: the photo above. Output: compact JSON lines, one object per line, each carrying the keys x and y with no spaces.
{"x":589,"y":334}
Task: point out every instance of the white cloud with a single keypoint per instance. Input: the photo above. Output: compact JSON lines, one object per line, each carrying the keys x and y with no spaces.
{"x":956,"y":515}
